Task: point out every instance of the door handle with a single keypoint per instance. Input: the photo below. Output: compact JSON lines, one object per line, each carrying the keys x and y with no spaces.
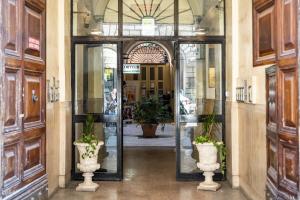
{"x":34,"y":97}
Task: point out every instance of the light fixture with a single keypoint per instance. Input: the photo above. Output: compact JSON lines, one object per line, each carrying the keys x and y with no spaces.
{"x":148,"y":26}
{"x":97,"y":25}
{"x":198,"y":29}
{"x":200,"y":32}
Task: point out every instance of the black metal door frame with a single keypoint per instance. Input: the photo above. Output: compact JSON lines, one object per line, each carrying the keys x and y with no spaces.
{"x":99,"y":117}
{"x":196,"y":118}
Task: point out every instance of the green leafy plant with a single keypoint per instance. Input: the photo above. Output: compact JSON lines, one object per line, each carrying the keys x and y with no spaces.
{"x":151,"y":111}
{"x":208,"y":136}
{"x":88,"y":137}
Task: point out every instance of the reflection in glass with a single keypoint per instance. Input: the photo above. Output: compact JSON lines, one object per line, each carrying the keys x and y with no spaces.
{"x":199,"y":17}
{"x":107,"y":157}
{"x":95,"y":17}
{"x":188,"y":151}
{"x":148,"y":17}
{"x":96,"y":79}
{"x":200,"y":79}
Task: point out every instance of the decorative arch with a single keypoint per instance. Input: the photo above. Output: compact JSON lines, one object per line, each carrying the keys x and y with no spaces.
{"x":148,"y":52}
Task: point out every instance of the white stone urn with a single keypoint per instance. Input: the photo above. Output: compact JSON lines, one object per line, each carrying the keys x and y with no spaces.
{"x":208,"y":164}
{"x":88,"y":165}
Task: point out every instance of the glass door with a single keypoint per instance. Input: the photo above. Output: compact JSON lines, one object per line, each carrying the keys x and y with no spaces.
{"x":96,"y":90}
{"x":200,"y":91}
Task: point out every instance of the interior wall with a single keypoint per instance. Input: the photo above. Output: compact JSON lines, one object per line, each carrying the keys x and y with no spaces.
{"x":246,"y":129}
{"x":58,"y":117}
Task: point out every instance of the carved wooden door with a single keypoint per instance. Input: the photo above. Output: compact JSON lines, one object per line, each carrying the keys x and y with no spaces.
{"x":24,"y":157}
{"x":282,"y":107}
{"x":288,"y":163}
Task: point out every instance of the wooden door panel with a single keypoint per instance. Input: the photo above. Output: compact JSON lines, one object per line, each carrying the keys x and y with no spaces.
{"x":272,"y":160}
{"x":33,"y":99}
{"x":12,"y":37}
{"x":261,"y":2}
{"x":264,"y":34}
{"x":287,"y":24}
{"x":271,"y":85}
{"x":272,"y":137}
{"x":288,"y":168}
{"x":288,"y":103}
{"x":12,"y":163}
{"x":34,"y":153}
{"x":34,"y":32}
{"x":12,"y":97}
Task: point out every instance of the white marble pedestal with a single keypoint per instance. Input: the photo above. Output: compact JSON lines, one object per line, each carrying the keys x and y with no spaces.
{"x":88,"y":185}
{"x":208,"y":183}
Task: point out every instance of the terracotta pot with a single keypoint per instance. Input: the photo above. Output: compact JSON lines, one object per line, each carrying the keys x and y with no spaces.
{"x":149,"y":130}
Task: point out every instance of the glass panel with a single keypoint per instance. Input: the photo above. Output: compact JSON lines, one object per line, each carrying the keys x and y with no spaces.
{"x":161,"y":73}
{"x":107,"y":157}
{"x":160,"y":85}
{"x":152,"y":73}
{"x":148,"y":17}
{"x":188,"y":152}
{"x":200,"y":79}
{"x":96,"y":79}
{"x":160,"y":88}
{"x":135,"y":77}
{"x":201,"y":17}
{"x":143,"y":73}
{"x":95,"y":17}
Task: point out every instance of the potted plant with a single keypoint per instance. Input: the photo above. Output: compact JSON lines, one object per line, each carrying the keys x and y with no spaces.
{"x":208,"y":148}
{"x":88,"y":147}
{"x":149,"y":112}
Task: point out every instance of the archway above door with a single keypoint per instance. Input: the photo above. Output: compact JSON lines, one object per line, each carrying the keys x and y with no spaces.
{"x":148,"y":53}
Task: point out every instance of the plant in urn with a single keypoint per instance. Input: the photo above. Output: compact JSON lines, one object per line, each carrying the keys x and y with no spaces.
{"x":208,"y":148}
{"x":88,"y":147}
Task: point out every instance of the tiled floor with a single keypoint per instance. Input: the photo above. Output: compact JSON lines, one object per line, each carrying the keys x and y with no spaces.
{"x":132,"y":136}
{"x":149,"y":173}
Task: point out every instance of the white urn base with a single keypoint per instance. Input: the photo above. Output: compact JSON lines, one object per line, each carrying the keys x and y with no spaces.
{"x":88,"y":185}
{"x":209,"y":184}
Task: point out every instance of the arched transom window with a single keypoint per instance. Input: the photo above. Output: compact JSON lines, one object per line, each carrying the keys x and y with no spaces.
{"x":148,"y":53}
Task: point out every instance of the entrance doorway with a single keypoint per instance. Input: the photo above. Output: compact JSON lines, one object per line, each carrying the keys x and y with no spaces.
{"x":152,"y":83}
{"x":103,"y":35}
{"x":193,"y":76}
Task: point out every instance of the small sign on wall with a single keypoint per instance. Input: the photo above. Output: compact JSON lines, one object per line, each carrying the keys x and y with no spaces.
{"x":34,"y":43}
{"x":131,"y":68}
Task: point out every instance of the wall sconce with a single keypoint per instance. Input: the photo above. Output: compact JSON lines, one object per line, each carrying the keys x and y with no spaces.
{"x":53,"y":90}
